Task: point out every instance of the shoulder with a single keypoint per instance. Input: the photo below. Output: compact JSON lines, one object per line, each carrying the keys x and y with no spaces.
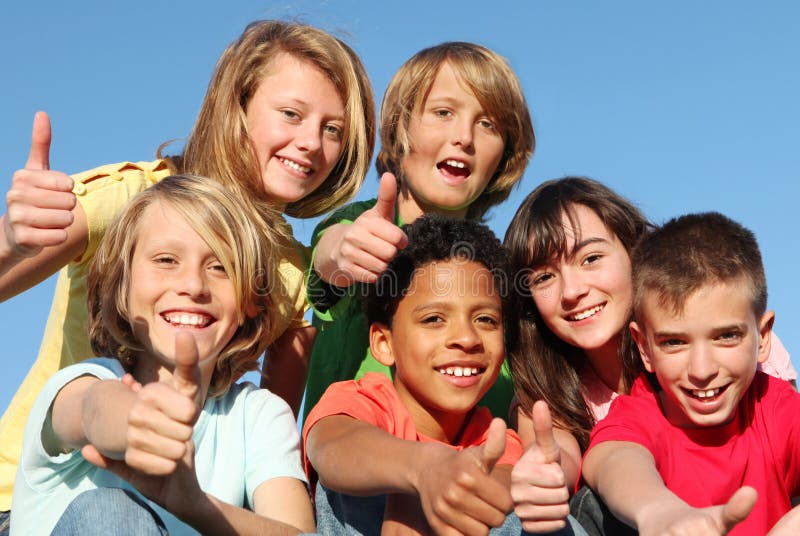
{"x":635,"y":417}
{"x":146,"y":172}
{"x":372,"y":399}
{"x":345,"y":214}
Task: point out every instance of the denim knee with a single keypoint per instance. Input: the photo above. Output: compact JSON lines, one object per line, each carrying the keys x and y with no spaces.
{"x":109,"y":511}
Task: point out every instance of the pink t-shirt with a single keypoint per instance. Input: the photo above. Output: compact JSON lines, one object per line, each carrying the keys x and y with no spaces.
{"x":704,"y":467}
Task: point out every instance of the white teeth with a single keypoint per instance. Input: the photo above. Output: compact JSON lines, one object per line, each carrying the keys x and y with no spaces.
{"x":708,"y":393}
{"x":295,"y":165}
{"x":187,"y":319}
{"x":455,"y":163}
{"x":587,"y":313}
{"x":460,"y":371}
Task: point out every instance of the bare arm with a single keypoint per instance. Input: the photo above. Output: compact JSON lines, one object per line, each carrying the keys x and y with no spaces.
{"x":645,"y":502}
{"x":286,"y":365}
{"x":90,"y":410}
{"x":449,"y":483}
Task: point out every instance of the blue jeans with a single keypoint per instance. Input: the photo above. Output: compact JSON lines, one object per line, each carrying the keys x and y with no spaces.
{"x":5,"y":523}
{"x":341,"y":514}
{"x":109,"y":511}
{"x":595,"y":517}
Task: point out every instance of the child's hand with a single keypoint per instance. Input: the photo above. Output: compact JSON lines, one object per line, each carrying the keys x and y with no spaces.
{"x":159,"y":458}
{"x":40,"y":202}
{"x":714,"y":520}
{"x":364,"y":248}
{"x":459,"y":494}
{"x":538,"y":486}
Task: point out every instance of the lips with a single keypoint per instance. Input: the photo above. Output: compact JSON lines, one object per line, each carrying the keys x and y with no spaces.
{"x":184,"y":319}
{"x":705,"y":395}
{"x":586,"y":313}
{"x":294,"y":165}
{"x":454,"y":168}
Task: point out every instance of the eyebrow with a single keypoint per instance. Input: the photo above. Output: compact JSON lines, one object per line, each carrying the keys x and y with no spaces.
{"x":585,"y":242}
{"x":443,"y":305}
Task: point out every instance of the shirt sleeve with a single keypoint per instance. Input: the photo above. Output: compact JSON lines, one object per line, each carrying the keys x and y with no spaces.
{"x":272,"y":445}
{"x":328,"y":301}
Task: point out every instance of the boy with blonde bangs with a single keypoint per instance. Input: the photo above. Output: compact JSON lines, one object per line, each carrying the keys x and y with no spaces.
{"x":456,"y":136}
{"x":705,"y":443}
{"x":415,"y":454}
{"x":157,"y":437}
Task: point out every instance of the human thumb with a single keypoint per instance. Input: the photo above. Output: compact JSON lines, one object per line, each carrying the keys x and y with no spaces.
{"x":543,"y":430}
{"x":387,"y":197}
{"x":738,"y":507}
{"x":495,"y":445}
{"x":186,"y":375}
{"x":39,"y":155}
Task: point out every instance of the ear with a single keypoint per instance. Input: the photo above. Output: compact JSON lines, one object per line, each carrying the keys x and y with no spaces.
{"x":640,"y":338}
{"x":765,"y":335}
{"x":380,"y":343}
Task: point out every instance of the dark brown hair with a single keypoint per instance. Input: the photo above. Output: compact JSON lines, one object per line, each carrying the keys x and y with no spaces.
{"x":693,"y":251}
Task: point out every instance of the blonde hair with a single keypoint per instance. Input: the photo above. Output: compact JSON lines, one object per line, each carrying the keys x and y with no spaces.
{"x":497,"y":89}
{"x":248,"y":250}
{"x":219,"y":146}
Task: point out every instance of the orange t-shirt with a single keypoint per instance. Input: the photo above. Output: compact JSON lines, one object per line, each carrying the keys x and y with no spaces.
{"x":373,"y":399}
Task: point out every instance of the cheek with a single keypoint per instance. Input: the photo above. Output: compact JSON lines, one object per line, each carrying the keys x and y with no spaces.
{"x":546,"y":304}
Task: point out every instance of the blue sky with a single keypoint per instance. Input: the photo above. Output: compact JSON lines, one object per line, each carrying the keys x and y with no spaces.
{"x":680,"y":106}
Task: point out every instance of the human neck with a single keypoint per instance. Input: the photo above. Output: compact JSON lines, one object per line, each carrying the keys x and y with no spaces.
{"x":607,"y":365}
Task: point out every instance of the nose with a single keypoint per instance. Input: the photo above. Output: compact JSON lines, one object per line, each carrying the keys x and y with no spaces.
{"x":192,"y":282}
{"x":464,"y":336}
{"x":309,"y":137}
{"x":702,"y":366}
{"x":573,"y":285}
{"x":463,"y":134}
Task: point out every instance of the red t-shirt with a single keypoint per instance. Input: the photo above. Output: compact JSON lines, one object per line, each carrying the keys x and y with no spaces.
{"x":759,"y":448}
{"x":373,"y":399}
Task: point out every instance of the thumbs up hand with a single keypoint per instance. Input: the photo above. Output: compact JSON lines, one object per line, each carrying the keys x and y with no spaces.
{"x":538,"y":484}
{"x":713,"y":520}
{"x":159,"y":458}
{"x":40,"y":202}
{"x":360,"y":251}
{"x":457,"y":491}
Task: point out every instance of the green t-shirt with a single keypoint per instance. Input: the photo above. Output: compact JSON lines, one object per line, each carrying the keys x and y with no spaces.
{"x":341,"y":350}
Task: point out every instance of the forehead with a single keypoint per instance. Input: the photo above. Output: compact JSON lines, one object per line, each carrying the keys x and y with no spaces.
{"x":449,"y":83}
{"x":454,"y":280}
{"x":161,"y":222}
{"x":710,"y":306}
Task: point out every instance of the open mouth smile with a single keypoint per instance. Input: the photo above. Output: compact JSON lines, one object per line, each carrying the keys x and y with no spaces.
{"x":586,"y":313}
{"x":188,"y":320}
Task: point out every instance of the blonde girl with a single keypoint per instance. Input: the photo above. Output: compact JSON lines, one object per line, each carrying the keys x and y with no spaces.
{"x":288,"y":121}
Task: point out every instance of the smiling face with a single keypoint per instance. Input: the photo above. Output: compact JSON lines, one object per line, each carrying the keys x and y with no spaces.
{"x":704,"y":357}
{"x":446,"y":343}
{"x":295,"y":121}
{"x":585,"y":296}
{"x":177,"y":283}
{"x":455,"y":150}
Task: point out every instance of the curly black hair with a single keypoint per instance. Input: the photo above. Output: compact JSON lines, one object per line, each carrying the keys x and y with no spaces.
{"x":433,"y":238}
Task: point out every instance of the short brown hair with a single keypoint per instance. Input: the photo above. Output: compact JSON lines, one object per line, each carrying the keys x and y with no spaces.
{"x":245,"y":245}
{"x":693,"y":251}
{"x":219,"y":145}
{"x":497,"y":89}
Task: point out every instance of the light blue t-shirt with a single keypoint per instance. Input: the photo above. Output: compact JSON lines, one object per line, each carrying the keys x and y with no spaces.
{"x":242,"y":439}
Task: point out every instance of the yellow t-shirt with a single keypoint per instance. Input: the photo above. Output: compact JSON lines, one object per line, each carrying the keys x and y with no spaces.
{"x":102,"y":192}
